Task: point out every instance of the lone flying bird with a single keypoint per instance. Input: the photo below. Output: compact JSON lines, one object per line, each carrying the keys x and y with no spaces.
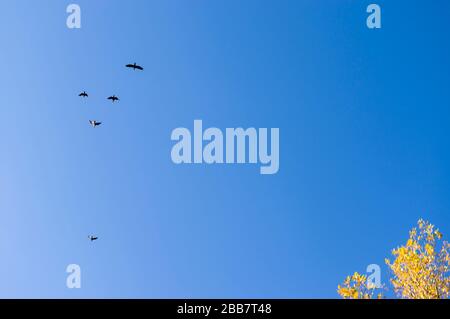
{"x":135,"y":66}
{"x":113,"y":98}
{"x":94,"y":123}
{"x":83,"y":94}
{"x":92,"y":238}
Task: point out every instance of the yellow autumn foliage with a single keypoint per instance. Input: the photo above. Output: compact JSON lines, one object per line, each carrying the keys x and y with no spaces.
{"x":420,"y":270}
{"x":421,"y":267}
{"x":357,"y":287}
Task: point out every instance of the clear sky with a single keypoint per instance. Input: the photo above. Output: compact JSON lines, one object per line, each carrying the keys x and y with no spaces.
{"x":364,"y":118}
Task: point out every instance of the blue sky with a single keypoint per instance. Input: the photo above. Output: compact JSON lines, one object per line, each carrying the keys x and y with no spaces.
{"x":364,"y":144}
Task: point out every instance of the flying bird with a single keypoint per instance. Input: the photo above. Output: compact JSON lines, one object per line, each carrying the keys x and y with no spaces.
{"x":135,"y":66}
{"x":94,"y":123}
{"x":113,"y":98}
{"x":83,"y":94}
{"x":92,"y":238}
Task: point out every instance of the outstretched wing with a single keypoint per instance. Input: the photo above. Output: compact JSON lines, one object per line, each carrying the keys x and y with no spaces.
{"x":139,"y":67}
{"x":129,"y":65}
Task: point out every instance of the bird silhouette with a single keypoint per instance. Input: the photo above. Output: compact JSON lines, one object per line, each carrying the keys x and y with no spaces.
{"x":83,"y":94}
{"x":92,"y":238}
{"x":113,"y":98}
{"x":94,"y":123}
{"x":135,"y":66}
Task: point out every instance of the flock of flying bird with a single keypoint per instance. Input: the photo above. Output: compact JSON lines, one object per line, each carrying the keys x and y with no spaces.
{"x":112,"y":98}
{"x":95,"y":123}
